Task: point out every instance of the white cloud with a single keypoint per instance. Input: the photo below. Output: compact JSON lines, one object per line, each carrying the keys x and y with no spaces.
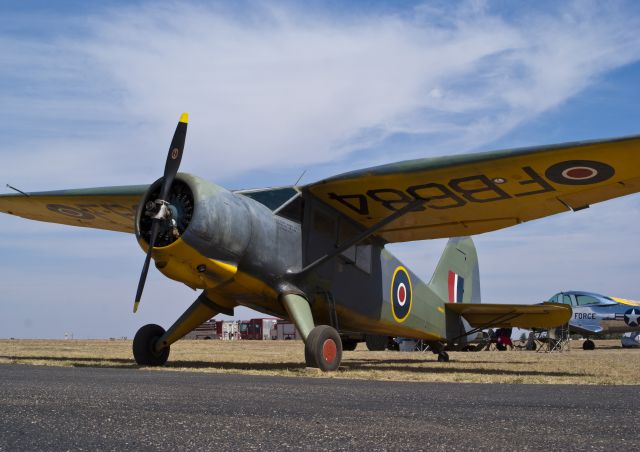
{"x":289,"y":88}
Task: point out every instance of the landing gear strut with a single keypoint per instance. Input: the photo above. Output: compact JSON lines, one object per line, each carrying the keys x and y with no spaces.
{"x":322,"y":344}
{"x":588,"y":345}
{"x":145,"y":350}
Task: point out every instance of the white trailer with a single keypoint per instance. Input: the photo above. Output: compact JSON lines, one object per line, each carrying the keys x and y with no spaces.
{"x":284,"y":330}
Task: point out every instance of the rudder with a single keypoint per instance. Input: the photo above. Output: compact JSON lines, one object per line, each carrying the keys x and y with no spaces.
{"x":457,"y":275}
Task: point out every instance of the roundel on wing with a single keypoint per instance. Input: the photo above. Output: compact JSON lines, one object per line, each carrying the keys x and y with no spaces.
{"x":401,"y":294}
{"x":579,"y":172}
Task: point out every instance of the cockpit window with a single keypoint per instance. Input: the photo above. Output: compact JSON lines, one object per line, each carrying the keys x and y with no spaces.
{"x":566,"y":299}
{"x":555,"y":298}
{"x":584,"y":300}
{"x":271,"y":197}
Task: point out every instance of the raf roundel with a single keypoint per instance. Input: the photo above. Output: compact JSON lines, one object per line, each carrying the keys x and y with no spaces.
{"x":401,"y":294}
{"x":579,"y":172}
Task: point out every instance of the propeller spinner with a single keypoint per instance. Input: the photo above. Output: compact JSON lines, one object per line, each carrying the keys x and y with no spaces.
{"x":163,"y":214}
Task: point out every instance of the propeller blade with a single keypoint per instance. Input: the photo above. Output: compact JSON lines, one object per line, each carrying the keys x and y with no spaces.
{"x":155,"y":228}
{"x":170,"y":170}
{"x":174,"y":156}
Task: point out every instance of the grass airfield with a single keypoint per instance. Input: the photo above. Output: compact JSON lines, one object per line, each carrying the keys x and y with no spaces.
{"x":609,"y":364}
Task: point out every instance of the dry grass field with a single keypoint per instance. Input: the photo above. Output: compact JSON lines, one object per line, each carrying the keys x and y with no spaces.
{"x":608,"y":364}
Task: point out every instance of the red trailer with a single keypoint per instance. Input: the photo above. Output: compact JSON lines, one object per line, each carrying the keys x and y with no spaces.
{"x":257,"y":329}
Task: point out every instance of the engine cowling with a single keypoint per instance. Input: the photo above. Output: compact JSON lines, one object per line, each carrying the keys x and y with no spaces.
{"x":212,"y":231}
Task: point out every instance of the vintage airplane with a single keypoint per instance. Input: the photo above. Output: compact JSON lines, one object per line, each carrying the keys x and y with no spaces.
{"x":316,"y":254}
{"x":595,"y":315}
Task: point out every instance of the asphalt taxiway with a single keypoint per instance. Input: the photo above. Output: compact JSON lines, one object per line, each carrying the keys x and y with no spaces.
{"x":57,"y":408}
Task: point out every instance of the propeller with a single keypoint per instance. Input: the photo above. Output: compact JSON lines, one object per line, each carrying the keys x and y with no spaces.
{"x":163,"y":215}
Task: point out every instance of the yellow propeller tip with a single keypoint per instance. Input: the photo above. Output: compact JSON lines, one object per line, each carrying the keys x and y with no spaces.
{"x":135,"y":306}
{"x":184,"y":118}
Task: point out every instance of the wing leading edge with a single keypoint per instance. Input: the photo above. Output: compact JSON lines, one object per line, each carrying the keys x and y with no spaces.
{"x":475,"y":193}
{"x":110,"y":208}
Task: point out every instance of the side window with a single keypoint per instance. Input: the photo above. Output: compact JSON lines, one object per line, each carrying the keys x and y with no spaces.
{"x":358,"y":254}
{"x":363,"y":258}
{"x":566,"y":299}
{"x":346,"y":232}
{"x":320,"y":235}
{"x":584,"y":300}
{"x":554,"y":299}
{"x":324,"y":224}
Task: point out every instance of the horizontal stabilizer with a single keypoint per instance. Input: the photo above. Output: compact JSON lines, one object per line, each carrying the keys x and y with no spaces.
{"x":546,"y":315}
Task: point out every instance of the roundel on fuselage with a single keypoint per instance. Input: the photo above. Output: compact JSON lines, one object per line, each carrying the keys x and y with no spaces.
{"x":401,"y":294}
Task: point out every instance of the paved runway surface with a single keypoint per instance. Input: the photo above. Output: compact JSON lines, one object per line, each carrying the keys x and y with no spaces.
{"x":89,"y":408}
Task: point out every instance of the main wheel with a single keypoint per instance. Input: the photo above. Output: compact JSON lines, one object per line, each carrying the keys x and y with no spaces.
{"x":588,"y":345}
{"x":309,"y":346}
{"x":349,"y":345}
{"x":443,"y":357}
{"x":324,"y":347}
{"x":376,"y":343}
{"x":144,"y":346}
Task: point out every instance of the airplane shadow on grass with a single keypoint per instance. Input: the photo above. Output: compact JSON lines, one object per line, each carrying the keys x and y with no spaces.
{"x":347,"y":365}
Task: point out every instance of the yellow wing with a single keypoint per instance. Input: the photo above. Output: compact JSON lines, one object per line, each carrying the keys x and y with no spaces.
{"x":111,"y":208}
{"x":476,"y":193}
{"x":480,"y":315}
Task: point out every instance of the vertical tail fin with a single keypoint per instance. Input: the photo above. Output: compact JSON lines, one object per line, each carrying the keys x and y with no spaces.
{"x":457,"y":276}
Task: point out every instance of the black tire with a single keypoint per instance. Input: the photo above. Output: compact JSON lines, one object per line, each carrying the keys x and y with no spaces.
{"x":443,"y":357}
{"x":349,"y":345}
{"x":501,"y":347}
{"x":144,"y":346}
{"x":324,"y":347}
{"x":588,"y":345}
{"x":309,"y":345}
{"x":376,"y":343}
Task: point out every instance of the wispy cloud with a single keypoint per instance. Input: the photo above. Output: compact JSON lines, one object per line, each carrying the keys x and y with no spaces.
{"x":283,"y":87}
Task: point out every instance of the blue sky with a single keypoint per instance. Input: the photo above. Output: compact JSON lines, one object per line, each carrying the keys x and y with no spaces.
{"x":91,"y":93}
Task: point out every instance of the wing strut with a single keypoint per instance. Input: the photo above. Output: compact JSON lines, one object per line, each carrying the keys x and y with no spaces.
{"x":363,"y":235}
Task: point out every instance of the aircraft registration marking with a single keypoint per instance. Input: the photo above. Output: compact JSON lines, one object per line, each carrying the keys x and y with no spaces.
{"x":93,"y":211}
{"x":478,"y":188}
{"x":401,"y":294}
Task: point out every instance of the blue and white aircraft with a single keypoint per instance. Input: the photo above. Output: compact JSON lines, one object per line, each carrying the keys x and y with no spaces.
{"x":595,"y":315}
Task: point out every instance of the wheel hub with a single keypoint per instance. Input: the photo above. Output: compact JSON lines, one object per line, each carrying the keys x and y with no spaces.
{"x":329,"y":350}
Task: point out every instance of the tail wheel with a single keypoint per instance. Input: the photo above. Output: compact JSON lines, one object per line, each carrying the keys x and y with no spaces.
{"x":144,"y":344}
{"x":588,"y":345}
{"x":324,"y":347}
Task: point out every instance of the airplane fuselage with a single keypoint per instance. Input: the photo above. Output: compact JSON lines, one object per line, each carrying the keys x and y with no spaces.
{"x":241,"y":253}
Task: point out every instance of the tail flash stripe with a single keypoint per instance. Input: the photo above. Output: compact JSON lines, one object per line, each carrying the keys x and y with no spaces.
{"x":452,"y":287}
{"x":456,"y":287}
{"x":459,"y":288}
